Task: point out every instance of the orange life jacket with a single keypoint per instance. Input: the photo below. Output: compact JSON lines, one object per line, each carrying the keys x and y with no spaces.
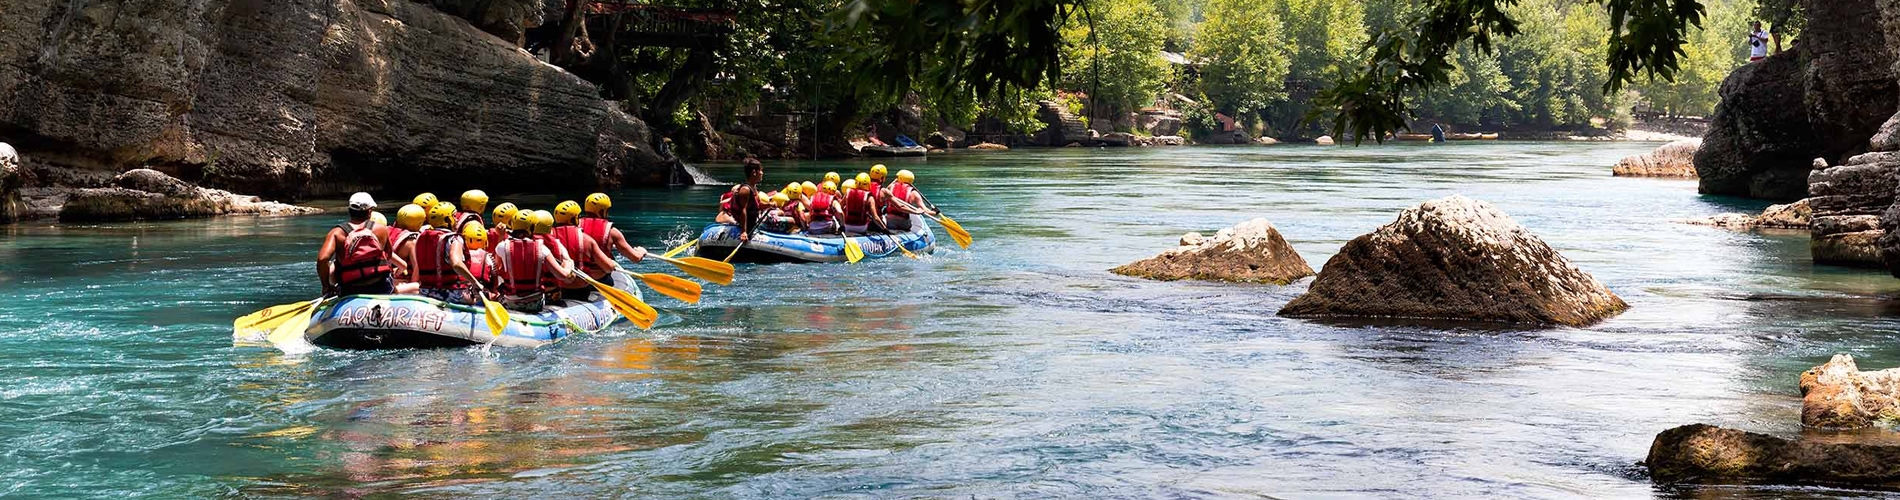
{"x":362,"y":259}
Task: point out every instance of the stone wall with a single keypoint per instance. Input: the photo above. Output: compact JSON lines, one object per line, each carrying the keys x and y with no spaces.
{"x":1847,"y":202}
{"x":291,"y":98}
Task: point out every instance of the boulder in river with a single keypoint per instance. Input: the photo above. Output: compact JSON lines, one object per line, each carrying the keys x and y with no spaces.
{"x":1675,"y":159}
{"x":989,"y":146}
{"x":1848,"y":200}
{"x":1250,"y":252}
{"x":1324,"y":140}
{"x":1702,"y":453}
{"x":145,"y":194}
{"x":1457,"y":259}
{"x":1793,"y":216}
{"x":1837,"y":395}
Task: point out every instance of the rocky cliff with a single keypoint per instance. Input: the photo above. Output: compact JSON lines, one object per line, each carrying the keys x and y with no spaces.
{"x":291,"y":98}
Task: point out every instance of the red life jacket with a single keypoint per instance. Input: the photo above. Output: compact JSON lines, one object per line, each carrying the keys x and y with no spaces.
{"x":901,"y":192}
{"x":571,"y":240}
{"x":857,"y":207}
{"x":877,"y":194}
{"x":480,"y":264}
{"x":362,"y":259}
{"x":432,"y":261}
{"x":725,"y":203}
{"x":399,"y":236}
{"x":520,"y":269}
{"x":496,"y":235}
{"x":463,"y":219}
{"x":548,"y":280}
{"x":597,"y":228}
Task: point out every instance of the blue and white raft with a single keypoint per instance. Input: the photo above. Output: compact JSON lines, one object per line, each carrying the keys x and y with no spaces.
{"x":408,"y":321}
{"x":717,"y":241}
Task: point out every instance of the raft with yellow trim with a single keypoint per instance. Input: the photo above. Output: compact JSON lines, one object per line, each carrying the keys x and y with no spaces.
{"x":717,"y":241}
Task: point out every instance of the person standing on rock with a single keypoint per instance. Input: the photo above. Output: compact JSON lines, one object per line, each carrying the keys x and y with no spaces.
{"x":352,"y":260}
{"x":1757,"y":43}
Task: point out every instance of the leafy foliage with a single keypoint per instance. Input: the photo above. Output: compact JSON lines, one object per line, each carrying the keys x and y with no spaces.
{"x":1127,"y":39}
{"x":1246,"y":60}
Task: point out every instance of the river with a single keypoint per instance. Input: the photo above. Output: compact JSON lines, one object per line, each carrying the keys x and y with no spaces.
{"x":1017,"y":368}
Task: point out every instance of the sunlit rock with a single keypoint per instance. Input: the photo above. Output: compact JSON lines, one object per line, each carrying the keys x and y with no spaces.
{"x":1837,"y":395}
{"x":1250,"y":252}
{"x":1324,"y":140}
{"x":1458,"y":259}
{"x":1675,"y":159}
{"x":145,"y":194}
{"x":1794,"y":216}
{"x":1702,"y":453}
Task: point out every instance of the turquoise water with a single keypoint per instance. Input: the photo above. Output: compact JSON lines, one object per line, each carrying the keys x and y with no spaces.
{"x":1016,"y":368}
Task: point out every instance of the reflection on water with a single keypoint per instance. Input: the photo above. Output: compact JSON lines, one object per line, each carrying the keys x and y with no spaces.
{"x":1017,"y":368}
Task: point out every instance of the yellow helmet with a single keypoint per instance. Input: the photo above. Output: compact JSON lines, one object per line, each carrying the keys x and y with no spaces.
{"x":831,"y":187}
{"x":522,"y":221}
{"x":906,"y":177}
{"x":598,"y":203}
{"x":793,"y":189}
{"x":440,"y":213}
{"x":808,"y":188}
{"x":425,"y":200}
{"x":850,"y":184}
{"x":504,"y":212}
{"x":474,"y":200}
{"x":781,"y":198}
{"x":378,"y":218}
{"x":878,"y":171}
{"x":411,"y":216}
{"x":864,"y":179}
{"x":566,"y":212}
{"x":543,"y":222}
{"x":475,"y":237}
{"x":832,"y":177}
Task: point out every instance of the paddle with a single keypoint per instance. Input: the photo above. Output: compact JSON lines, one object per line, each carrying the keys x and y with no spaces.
{"x":641,"y":314}
{"x":294,"y":326}
{"x":702,"y":268}
{"x":956,"y":230}
{"x":497,"y":317}
{"x":668,"y":285}
{"x":256,"y":326}
{"x":852,"y":251}
{"x":676,"y":250}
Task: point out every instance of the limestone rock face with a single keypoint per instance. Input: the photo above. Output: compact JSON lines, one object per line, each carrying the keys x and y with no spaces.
{"x":145,"y":194}
{"x":1759,"y":143}
{"x":1709,"y":454}
{"x":1458,"y":259}
{"x":1675,"y":159}
{"x":1848,"y":200}
{"x":304,"y":97}
{"x":1837,"y":395}
{"x":1250,"y":252}
{"x":1324,"y":140}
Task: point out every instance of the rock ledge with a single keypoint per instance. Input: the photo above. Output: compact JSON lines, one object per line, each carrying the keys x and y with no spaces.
{"x":1251,"y":252}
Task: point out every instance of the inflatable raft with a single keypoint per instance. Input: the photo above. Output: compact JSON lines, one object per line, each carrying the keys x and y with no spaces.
{"x":407,"y":321}
{"x":717,"y":241}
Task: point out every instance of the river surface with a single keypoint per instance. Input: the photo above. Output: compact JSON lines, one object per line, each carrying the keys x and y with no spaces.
{"x":1017,"y":368}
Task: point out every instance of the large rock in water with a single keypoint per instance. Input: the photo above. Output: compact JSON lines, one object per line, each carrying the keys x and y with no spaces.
{"x":1702,"y":453}
{"x":1455,"y":258}
{"x":1675,"y":159}
{"x":1250,"y":252}
{"x":1847,"y":201}
{"x":1837,"y":395}
{"x":301,"y":97}
{"x":145,"y":194}
{"x":1795,"y":215}
{"x":1759,"y":143}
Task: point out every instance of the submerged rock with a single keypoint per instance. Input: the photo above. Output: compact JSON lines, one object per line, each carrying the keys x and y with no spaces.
{"x":1702,"y":453}
{"x":1837,"y":395}
{"x":1675,"y":159}
{"x":145,"y":194}
{"x":1785,"y":216}
{"x":1460,"y":259}
{"x":1250,"y":252}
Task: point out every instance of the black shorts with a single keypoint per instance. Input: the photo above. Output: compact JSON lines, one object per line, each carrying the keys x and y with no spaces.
{"x":378,"y":287}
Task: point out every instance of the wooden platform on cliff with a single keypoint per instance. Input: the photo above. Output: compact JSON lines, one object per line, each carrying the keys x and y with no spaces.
{"x":660,"y":26}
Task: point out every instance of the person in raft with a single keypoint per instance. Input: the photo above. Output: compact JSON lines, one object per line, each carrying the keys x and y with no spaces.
{"x":585,"y":250}
{"x":824,"y":210}
{"x":860,"y":209}
{"x":442,"y":259}
{"x":474,"y":201}
{"x":740,"y":206}
{"x":402,"y":240}
{"x":525,"y":263}
{"x":503,"y":213}
{"x":352,"y":260}
{"x":594,"y":223}
{"x":543,"y":230}
{"x":902,"y":200}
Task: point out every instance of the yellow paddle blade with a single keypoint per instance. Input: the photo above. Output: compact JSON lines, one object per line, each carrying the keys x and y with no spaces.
{"x":900,"y":247}
{"x":676,"y":250}
{"x":956,"y":231}
{"x":735,"y":251}
{"x":293,"y":327}
{"x":497,"y":317}
{"x":703,"y":268}
{"x":641,"y":314}
{"x":257,"y":325}
{"x":672,"y":286}
{"x":852,"y":251}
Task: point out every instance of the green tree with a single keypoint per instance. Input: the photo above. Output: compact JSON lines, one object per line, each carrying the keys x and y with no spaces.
{"x":1711,"y":54}
{"x":1326,"y":37}
{"x":1128,"y":38}
{"x":1245,"y":54}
